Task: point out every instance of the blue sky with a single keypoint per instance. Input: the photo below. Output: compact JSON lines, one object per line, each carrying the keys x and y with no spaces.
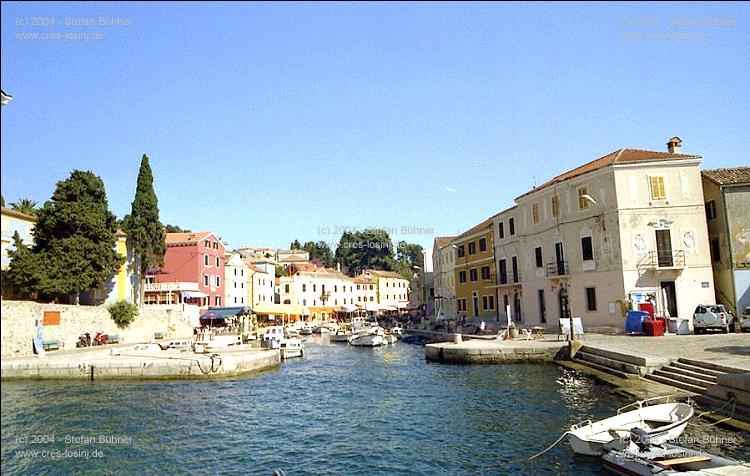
{"x":270,"y":122}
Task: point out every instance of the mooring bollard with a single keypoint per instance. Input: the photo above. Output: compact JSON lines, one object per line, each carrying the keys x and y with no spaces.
{"x":457,"y":339}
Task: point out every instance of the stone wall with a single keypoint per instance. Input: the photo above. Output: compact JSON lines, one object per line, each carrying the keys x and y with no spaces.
{"x":18,"y":325}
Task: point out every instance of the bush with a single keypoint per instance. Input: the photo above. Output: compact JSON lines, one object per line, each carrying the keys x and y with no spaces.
{"x":123,"y":313}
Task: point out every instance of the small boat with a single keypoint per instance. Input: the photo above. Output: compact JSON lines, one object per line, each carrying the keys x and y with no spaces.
{"x":306,"y":330}
{"x":398,"y":331}
{"x":341,"y":335}
{"x":660,"y":422}
{"x":322,"y":329}
{"x":367,"y":340}
{"x":291,"y":347}
{"x":635,"y":456}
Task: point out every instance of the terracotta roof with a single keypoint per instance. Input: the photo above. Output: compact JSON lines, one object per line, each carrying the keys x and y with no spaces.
{"x":728,"y":176}
{"x":257,"y":269}
{"x":617,"y":157}
{"x":384,"y":274}
{"x":14,"y":213}
{"x":180,"y":238}
{"x":485,"y":224}
{"x":304,"y":266}
{"x":119,"y":232}
{"x":442,"y":241}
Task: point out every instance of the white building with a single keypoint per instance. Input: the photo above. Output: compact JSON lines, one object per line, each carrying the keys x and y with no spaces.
{"x":629,"y":226}
{"x":443,"y":265}
{"x":235,"y":279}
{"x":260,"y":282}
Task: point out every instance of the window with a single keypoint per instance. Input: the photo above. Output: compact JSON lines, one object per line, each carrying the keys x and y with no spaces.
{"x":715,"y":251}
{"x":555,"y":206}
{"x":491,"y":299}
{"x":514,"y":265}
{"x":235,"y":271}
{"x":315,"y":288}
{"x":472,"y":248}
{"x":539,"y":257}
{"x":286,"y":288}
{"x":535,"y":213}
{"x":216,"y":245}
{"x":462,"y":277}
{"x":217,"y":262}
{"x":235,"y":299}
{"x":485,"y":303}
{"x":501,"y":230}
{"x":217,"y":282}
{"x":483,"y":244}
{"x":710,"y":210}
{"x":591,"y":299}
{"x":656,"y":183}
{"x":542,"y":307}
{"x":218,"y":300}
{"x":587,"y":248}
{"x":461,"y":251}
{"x":205,"y":260}
{"x":485,"y":272}
{"x":512,"y":226}
{"x":235,"y":285}
{"x":207,"y":244}
{"x":205,"y":280}
{"x":583,"y":204}
{"x":503,"y":271}
{"x":473,"y":274}
{"x":304,"y":288}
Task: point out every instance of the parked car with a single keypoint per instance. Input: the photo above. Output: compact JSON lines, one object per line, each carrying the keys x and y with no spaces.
{"x":745,"y":319}
{"x":711,"y":316}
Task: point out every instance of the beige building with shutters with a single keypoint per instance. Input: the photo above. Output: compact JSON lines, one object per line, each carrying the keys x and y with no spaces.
{"x":627,"y":226}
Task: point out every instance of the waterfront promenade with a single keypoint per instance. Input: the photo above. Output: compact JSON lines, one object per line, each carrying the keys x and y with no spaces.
{"x":121,"y":362}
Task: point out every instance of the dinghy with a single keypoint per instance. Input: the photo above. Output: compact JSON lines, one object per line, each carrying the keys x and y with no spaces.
{"x":635,"y":456}
{"x":660,"y":422}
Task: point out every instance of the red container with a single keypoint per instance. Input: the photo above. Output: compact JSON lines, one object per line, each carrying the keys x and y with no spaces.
{"x":647,"y":307}
{"x":653,"y":327}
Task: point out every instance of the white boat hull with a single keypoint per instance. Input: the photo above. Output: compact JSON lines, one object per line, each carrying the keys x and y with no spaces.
{"x":651,"y":460}
{"x":661,"y":423}
{"x":367,"y":340}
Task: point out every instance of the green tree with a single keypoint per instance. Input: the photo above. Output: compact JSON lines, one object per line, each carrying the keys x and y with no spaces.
{"x":295,"y":245}
{"x":366,"y":249}
{"x":411,"y":254}
{"x":2,"y":201}
{"x":320,"y":252}
{"x":24,"y":271}
{"x":25,"y":206}
{"x":74,"y":238}
{"x":175,"y":229}
{"x":145,"y":232}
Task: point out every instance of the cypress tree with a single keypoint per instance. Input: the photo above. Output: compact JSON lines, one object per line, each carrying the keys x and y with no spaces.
{"x":145,"y":232}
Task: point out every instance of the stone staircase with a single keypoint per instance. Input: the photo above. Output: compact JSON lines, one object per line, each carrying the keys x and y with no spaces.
{"x":689,"y":375}
{"x":616,"y":363}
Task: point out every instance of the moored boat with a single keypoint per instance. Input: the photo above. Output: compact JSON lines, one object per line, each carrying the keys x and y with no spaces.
{"x":661,"y":422}
{"x":291,"y":347}
{"x":367,"y":340}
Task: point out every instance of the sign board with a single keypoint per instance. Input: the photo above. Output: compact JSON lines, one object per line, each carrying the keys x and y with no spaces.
{"x":704,"y":284}
{"x":51,"y":318}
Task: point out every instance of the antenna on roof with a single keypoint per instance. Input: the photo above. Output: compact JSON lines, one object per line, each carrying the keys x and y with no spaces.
{"x":533,"y":181}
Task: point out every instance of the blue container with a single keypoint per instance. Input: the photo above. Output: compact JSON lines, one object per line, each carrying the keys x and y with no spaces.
{"x":634,"y":322}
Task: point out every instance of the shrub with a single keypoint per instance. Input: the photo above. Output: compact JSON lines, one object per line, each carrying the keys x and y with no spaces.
{"x":123,"y":313}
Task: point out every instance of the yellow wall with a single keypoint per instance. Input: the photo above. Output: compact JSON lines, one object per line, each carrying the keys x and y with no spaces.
{"x":476,"y":261}
{"x":122,"y":278}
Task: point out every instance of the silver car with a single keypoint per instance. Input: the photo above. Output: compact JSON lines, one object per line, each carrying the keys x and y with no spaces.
{"x":711,"y":316}
{"x":745,"y":319}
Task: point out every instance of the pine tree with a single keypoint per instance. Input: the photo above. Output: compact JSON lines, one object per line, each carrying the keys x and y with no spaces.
{"x":145,"y":232}
{"x":74,"y":238}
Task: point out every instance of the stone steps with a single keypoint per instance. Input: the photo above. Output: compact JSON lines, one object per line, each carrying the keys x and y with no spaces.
{"x":687,"y":374}
{"x":696,"y":369}
{"x":610,"y":365}
{"x":676,"y":383}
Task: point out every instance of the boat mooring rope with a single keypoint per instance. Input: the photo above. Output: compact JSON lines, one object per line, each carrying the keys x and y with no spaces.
{"x":213,"y":369}
{"x":550,"y":446}
{"x":733,"y":401}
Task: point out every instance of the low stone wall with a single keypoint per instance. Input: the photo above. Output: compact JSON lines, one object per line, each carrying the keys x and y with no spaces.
{"x":18,"y":325}
{"x":450,"y":354}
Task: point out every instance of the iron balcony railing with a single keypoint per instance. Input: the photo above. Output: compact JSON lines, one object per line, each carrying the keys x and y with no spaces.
{"x":558,"y":268}
{"x":665,"y":259}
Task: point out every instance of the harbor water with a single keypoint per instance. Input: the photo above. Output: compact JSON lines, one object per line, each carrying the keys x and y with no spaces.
{"x":339,"y":410}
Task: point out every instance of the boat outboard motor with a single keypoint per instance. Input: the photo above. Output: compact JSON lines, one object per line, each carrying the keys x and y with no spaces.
{"x":640,"y":437}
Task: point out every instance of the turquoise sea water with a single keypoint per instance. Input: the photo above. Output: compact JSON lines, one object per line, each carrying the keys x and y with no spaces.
{"x":340,"y":410}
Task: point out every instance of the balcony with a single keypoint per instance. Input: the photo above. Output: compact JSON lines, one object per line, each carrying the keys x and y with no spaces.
{"x":663,"y":260}
{"x":557,"y":269}
{"x":170,"y":287}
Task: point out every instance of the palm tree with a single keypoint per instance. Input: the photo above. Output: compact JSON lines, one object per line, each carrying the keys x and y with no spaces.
{"x":24,"y":205}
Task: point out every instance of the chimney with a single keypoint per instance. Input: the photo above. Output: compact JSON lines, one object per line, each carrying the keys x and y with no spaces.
{"x":674,"y":146}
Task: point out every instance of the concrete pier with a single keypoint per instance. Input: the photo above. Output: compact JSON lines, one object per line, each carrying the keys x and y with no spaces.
{"x":106,"y":364}
{"x":481,"y":351}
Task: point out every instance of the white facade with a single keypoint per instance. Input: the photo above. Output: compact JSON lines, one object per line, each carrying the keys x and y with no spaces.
{"x":260,"y":283}
{"x":443,"y":265}
{"x":628,"y":227}
{"x":235,"y":279}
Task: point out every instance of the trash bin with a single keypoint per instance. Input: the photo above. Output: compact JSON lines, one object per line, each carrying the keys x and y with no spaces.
{"x":653,"y":327}
{"x":634,"y":322}
{"x":673,"y":326}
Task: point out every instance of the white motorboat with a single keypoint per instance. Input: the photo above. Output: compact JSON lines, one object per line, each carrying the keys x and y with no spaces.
{"x":634,"y":457}
{"x":291,"y":347}
{"x":364,"y":339}
{"x":321,"y":329}
{"x":307,"y":329}
{"x":340,"y":335}
{"x":661,"y":422}
{"x":398,"y":331}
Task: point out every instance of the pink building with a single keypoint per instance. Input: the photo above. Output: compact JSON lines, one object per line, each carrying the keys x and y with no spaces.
{"x":193,"y":271}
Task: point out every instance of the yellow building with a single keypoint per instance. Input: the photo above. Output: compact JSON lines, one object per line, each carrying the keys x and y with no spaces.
{"x":475,"y":273}
{"x":392,"y":289}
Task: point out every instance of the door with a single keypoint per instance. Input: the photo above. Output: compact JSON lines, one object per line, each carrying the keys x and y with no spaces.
{"x":542,"y":307}
{"x":563,"y":301}
{"x":664,"y":248}
{"x":475,"y":301}
{"x":560,"y":258}
{"x":669,"y":292}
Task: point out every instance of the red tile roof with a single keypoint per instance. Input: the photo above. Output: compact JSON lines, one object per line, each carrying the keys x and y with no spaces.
{"x":16,"y":214}
{"x":442,"y":241}
{"x":183,"y":238}
{"x":616,"y":157}
{"x":728,"y":176}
